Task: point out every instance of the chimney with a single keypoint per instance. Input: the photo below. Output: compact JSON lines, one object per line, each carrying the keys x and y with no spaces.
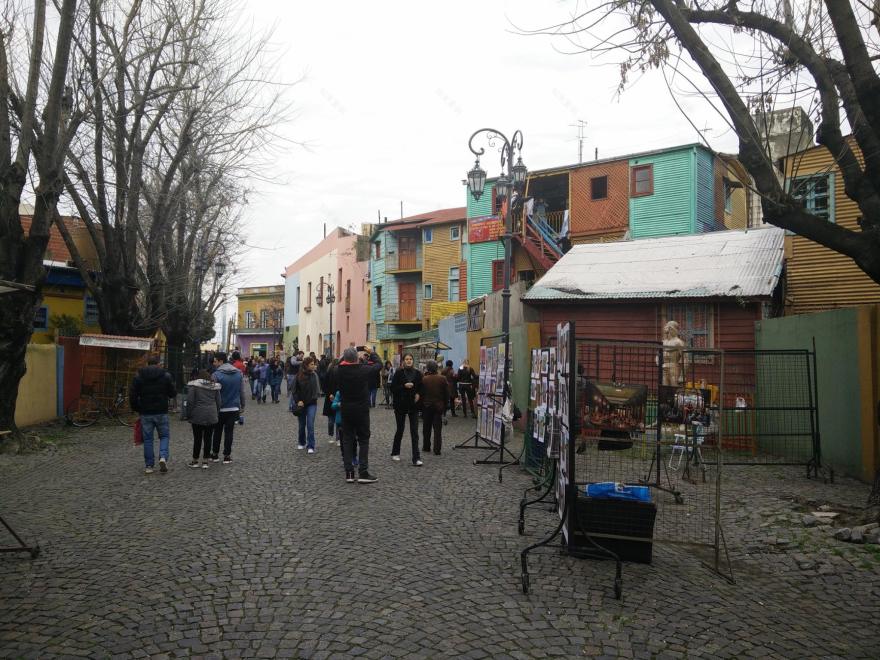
{"x":784,"y":131}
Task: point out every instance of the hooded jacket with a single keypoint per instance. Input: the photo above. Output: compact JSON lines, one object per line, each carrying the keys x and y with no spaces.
{"x":150,"y":391}
{"x":232,"y":387}
{"x":352,"y":381}
{"x":202,"y":402}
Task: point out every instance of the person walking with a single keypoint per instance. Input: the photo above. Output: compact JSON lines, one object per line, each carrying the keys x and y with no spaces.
{"x":263,"y":375}
{"x":334,"y":430}
{"x":354,"y":388}
{"x":305,"y":393}
{"x":389,"y":376}
{"x":449,"y":375}
{"x":406,"y":383}
{"x":232,"y":398}
{"x":203,"y":412}
{"x":375,"y":377}
{"x":435,"y":397}
{"x":276,"y":375}
{"x":148,"y":396}
{"x":467,"y":380}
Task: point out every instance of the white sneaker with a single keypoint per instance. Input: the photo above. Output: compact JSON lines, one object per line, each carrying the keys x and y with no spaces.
{"x":418,"y":463}
{"x":311,"y":451}
{"x":395,"y":457}
{"x":300,"y":446}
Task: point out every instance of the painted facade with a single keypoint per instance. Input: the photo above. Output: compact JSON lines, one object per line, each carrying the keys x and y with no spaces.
{"x":418,"y":272}
{"x":291,"y":311}
{"x":259,"y":321}
{"x":339,"y":260}
{"x":818,"y":278}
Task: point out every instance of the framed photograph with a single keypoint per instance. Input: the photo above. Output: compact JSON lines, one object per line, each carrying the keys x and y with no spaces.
{"x":496,"y":430}
{"x":545,"y":360}
{"x":533,"y":390}
{"x":536,"y":362}
{"x":551,"y":369}
{"x":551,"y":395}
{"x":562,"y":400}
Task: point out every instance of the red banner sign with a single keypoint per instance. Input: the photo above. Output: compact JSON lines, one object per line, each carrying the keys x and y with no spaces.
{"x":485,"y":228}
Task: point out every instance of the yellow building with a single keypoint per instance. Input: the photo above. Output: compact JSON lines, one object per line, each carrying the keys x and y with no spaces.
{"x":259,"y":323}
{"x":819,"y":278}
{"x":444,"y":270}
{"x":64,"y":294}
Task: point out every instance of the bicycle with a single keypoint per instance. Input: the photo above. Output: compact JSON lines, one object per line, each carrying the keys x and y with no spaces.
{"x":87,"y":409}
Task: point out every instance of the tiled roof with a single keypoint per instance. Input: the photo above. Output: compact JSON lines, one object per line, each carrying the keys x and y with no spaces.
{"x":725,"y":264}
{"x":438,"y":217}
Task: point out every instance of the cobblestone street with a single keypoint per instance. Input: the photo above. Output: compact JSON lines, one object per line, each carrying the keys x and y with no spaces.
{"x":276,"y":556}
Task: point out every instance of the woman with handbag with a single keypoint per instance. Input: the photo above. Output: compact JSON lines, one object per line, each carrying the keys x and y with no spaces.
{"x":203,"y":412}
{"x":305,"y":393}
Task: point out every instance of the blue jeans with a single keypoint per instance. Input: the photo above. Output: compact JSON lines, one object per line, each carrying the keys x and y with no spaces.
{"x":373,"y":397}
{"x":160,"y":423}
{"x":307,"y":422}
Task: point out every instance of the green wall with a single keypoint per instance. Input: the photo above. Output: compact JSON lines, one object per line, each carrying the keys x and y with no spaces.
{"x":837,"y":375}
{"x":479,"y":266}
{"x":671,"y":208}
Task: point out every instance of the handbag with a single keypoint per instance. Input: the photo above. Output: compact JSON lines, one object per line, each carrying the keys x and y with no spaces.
{"x":138,"y":433}
{"x":298,"y":410}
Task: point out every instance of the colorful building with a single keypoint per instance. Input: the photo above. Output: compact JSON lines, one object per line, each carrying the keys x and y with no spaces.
{"x":259,"y":323}
{"x":819,"y":278}
{"x":418,"y":276}
{"x":64,"y":292}
{"x":339,"y":261}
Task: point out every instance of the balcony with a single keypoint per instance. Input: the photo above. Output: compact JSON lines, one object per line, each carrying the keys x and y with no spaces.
{"x":348,"y":303}
{"x":307,"y":309}
{"x":403,"y":262}
{"x":404,"y":312}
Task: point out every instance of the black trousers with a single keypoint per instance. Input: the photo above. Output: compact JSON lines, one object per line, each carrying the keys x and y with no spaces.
{"x":466,"y":394}
{"x":225,"y":428}
{"x":433,"y":421}
{"x":202,"y":440}
{"x":401,"y":416}
{"x":356,"y":429}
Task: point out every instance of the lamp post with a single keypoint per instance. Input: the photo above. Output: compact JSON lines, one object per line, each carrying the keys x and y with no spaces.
{"x":513,"y":179}
{"x":331,"y":298}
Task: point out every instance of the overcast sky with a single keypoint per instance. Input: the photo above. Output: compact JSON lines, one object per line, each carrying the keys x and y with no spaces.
{"x":392,"y":90}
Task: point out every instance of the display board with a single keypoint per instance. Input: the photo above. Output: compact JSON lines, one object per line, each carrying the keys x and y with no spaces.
{"x":562,"y":368}
{"x":490,"y":392}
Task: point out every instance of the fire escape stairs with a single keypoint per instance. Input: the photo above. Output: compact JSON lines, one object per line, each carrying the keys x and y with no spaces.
{"x":540,"y":243}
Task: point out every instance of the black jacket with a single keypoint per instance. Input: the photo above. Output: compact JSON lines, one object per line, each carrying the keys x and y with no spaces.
{"x":150,"y":391}
{"x":375,"y":366}
{"x":405,"y":397}
{"x":352,"y":381}
{"x":305,"y":388}
{"x":330,"y":387}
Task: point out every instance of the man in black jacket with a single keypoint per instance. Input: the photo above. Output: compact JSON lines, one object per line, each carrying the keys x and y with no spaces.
{"x":406,"y":386}
{"x":352,"y":381}
{"x":149,"y":394}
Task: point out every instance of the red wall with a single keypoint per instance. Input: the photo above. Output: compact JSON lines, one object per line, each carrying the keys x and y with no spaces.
{"x":734,"y":324}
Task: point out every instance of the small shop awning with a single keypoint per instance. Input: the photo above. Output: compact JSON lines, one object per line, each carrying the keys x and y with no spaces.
{"x":436,"y":344}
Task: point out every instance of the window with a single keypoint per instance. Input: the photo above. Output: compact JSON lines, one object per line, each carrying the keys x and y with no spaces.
{"x":320,"y":298}
{"x":454,"y":233}
{"x":728,"y":198}
{"x":453,"y":283}
{"x":498,"y":275}
{"x":429,"y":291}
{"x":377,"y":250}
{"x":378,"y":296}
{"x":249,"y":320}
{"x":41,"y":318}
{"x":347,"y":323}
{"x":308,"y":343}
{"x":695,"y":323}
{"x":641,"y":180}
{"x":816,"y":193}
{"x":427,"y":235}
{"x":297,"y":299}
{"x":348,"y":295}
{"x":599,"y":187}
{"x":309,"y":299}
{"x":264,"y":318}
{"x":90,"y":317}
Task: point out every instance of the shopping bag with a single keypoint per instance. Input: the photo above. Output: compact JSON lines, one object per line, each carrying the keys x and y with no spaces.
{"x":138,"y":433}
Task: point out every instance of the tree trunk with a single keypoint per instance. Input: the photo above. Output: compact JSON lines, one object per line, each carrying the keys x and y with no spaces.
{"x":16,"y":327}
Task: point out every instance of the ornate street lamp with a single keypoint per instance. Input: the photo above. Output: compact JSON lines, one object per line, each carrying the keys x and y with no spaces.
{"x":513,"y":178}
{"x":330,"y":299}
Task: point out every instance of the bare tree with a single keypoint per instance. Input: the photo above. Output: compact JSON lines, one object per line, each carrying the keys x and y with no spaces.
{"x":25,"y":132}
{"x":820,"y":54}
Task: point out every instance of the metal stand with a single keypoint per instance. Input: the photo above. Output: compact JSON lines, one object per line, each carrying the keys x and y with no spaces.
{"x":550,"y":482}
{"x":22,"y":546}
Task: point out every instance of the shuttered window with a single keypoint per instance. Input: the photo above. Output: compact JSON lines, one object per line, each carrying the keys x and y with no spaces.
{"x":695,"y":323}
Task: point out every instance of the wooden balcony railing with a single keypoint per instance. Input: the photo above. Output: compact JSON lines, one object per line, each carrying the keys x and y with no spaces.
{"x":403,"y":261}
{"x":404,"y":311}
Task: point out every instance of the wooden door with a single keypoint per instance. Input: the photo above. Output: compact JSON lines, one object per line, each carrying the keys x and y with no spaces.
{"x":407,"y":296}
{"x":407,"y":247}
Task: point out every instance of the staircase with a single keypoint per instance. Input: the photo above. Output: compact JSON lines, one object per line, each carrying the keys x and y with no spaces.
{"x":540,"y":241}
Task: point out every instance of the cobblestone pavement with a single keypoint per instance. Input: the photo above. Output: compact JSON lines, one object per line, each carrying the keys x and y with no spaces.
{"x":276,"y":556}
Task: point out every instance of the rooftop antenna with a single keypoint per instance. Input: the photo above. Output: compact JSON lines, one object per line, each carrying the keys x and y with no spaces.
{"x":401,"y":209}
{"x":581,"y":125}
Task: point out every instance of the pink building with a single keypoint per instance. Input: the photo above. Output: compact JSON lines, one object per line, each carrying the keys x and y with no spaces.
{"x":339,"y":261}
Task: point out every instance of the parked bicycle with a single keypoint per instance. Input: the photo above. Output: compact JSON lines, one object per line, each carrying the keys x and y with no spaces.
{"x":88,"y":408}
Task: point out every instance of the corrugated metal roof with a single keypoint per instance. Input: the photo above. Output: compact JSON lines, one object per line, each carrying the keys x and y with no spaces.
{"x":724,"y":264}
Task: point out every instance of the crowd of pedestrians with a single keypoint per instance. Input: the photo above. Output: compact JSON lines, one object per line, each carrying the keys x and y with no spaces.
{"x":216,"y":396}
